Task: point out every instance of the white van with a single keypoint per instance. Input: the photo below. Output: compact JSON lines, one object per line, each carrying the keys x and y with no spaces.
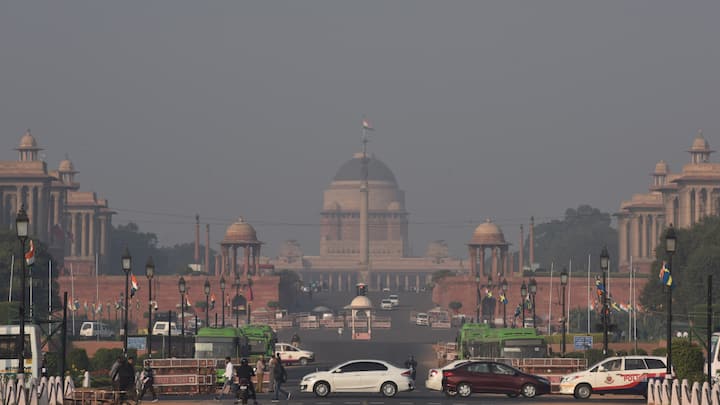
{"x":615,"y":375}
{"x":164,"y":327}
{"x":422,"y":319}
{"x":96,"y":329}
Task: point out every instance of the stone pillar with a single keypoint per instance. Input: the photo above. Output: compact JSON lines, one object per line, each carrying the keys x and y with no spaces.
{"x":197,"y":239}
{"x":30,"y":209}
{"x":684,"y":208}
{"x":246,"y":254}
{"x":218,"y":264}
{"x":505,"y":260}
{"x":397,"y":282}
{"x":521,"y":253}
{"x":698,"y":205}
{"x":407,"y":283}
{"x":233,"y":260}
{"x":417,"y":281}
{"x":473,"y":259}
{"x":207,"y":250}
{"x":531,"y":241}
{"x":642,"y":231}
{"x":634,"y":238}
{"x":482,"y":259}
{"x":387,"y":280}
{"x":622,"y":240}
{"x":83,"y":234}
{"x":340,"y":282}
{"x":330,"y":282}
{"x":92,"y":244}
{"x":494,"y":262}
{"x":257,"y":258}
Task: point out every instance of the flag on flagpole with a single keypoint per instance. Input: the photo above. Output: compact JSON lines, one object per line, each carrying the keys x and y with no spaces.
{"x":30,"y":254}
{"x":503,"y":299}
{"x":367,"y":126}
{"x":488,"y":293}
{"x":133,"y":285}
{"x":665,"y":276}
{"x":518,"y":309}
{"x":600,"y":286}
{"x":212,"y":301}
{"x":187,"y":302}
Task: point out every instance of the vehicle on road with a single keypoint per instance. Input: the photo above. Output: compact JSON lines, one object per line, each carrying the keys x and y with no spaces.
{"x":714,"y":356}
{"x":386,"y":304}
{"x":615,"y":375}
{"x":164,"y":328}
{"x":480,"y":340}
{"x":434,"y":379}
{"x":96,"y":329}
{"x":290,"y":354}
{"x":9,"y":350}
{"x":422,"y":319}
{"x":359,"y":376}
{"x":492,"y":378}
{"x":394,"y":299}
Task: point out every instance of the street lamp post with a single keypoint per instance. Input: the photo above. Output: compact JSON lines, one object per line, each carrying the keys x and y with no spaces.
{"x":236,"y":284}
{"x":182,"y":287}
{"x":477,"y":297}
{"x":247,"y":302}
{"x":207,"y":302}
{"x":222,"y":302}
{"x":126,"y":266}
{"x":563,"y":282}
{"x":149,"y":273}
{"x":532,"y":286}
{"x":504,"y":287}
{"x":604,"y":264}
{"x":22,"y":223}
{"x":670,"y":245}
{"x":523,"y":294}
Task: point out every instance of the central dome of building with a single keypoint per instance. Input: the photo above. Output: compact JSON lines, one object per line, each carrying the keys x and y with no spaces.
{"x":352,"y":170}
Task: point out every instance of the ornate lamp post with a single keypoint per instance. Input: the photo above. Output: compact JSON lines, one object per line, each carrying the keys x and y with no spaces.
{"x":532,"y":286}
{"x":149,"y":273}
{"x":22,"y":223}
{"x":222,"y":288}
{"x":126,"y":266}
{"x":670,"y":246}
{"x":207,"y":302}
{"x":477,"y":297}
{"x":182,"y":287}
{"x":523,"y":295}
{"x":247,"y":302}
{"x":604,"y":264}
{"x":236,"y":284}
{"x":563,"y":282}
{"x":504,"y":287}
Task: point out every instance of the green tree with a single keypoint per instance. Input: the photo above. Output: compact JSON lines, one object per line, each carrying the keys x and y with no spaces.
{"x":582,"y":231}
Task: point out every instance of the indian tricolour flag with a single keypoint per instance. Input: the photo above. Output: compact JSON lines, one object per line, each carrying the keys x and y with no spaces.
{"x":133,"y":285}
{"x":30,"y":254}
{"x":367,"y":126}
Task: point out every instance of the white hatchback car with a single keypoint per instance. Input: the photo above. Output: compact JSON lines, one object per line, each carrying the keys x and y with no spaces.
{"x":386,"y":304}
{"x":615,"y":375}
{"x":435,"y":375}
{"x":359,"y":376}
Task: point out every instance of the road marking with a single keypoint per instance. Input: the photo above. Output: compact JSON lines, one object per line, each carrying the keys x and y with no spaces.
{"x":376,"y":403}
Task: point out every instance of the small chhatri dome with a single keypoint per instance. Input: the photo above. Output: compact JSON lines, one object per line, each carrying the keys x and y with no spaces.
{"x":361,"y":302}
{"x":240,"y":231}
{"x":66,"y":166}
{"x":488,"y":233}
{"x":28,"y":141}
{"x":700,"y":144}
{"x":661,"y":168}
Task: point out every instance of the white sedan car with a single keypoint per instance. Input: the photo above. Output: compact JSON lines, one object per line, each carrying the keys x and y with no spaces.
{"x":359,"y":376}
{"x":435,"y":375}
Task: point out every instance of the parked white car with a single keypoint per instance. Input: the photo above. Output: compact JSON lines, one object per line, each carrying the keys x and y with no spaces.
{"x":422,"y":319}
{"x":615,"y":375}
{"x":386,"y":304}
{"x":435,"y":375}
{"x":359,"y":376}
{"x":290,"y":354}
{"x":394,"y":299}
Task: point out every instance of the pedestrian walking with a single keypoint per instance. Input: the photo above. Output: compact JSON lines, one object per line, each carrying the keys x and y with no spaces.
{"x":260,"y":373}
{"x":271,"y":372}
{"x":228,"y":375}
{"x":411,"y":364}
{"x":126,"y":379}
{"x":147,"y":378}
{"x":280,"y":376}
{"x":114,"y":373}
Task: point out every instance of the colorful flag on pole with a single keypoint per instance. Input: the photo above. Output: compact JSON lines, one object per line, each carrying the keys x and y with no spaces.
{"x":133,"y":285}
{"x":250,"y":291}
{"x":212,"y":301}
{"x":665,"y":276}
{"x":518,"y":310}
{"x":600,"y":286}
{"x":187,"y":302}
{"x":503,"y":299}
{"x":488,"y":293}
{"x":30,"y":255}
{"x":367,"y":126}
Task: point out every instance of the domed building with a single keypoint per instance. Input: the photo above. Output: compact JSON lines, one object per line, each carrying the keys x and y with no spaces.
{"x":387,"y":217}
{"x":488,"y":236}
{"x":681,"y":199}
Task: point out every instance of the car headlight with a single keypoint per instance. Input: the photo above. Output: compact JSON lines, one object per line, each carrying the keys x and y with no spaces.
{"x":568,"y":378}
{"x":308,"y":378}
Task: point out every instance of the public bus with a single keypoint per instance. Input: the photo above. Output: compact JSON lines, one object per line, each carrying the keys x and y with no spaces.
{"x":9,"y":343}
{"x":714,"y":356}
{"x":480,"y":340}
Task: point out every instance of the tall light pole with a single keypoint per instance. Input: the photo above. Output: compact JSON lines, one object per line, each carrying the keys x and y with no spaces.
{"x":22,"y":223}
{"x":236,"y":284}
{"x":670,"y":245}
{"x":182,"y":287}
{"x":532,"y":286}
{"x":222,"y":288}
{"x":247,"y":301}
{"x":126,"y":266}
{"x":477,"y":297}
{"x":207,"y":302}
{"x":563,"y":282}
{"x":504,"y":287}
{"x":604,"y":264}
{"x":149,"y":273}
{"x":523,"y":295}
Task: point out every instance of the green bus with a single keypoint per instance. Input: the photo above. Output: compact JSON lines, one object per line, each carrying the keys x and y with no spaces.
{"x":480,"y":340}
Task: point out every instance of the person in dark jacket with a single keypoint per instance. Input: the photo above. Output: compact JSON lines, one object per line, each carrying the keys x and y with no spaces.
{"x":147,"y":377}
{"x":126,"y":378}
{"x":114,"y":373}
{"x":412,"y":365}
{"x":245,"y":372}
{"x":280,"y":376}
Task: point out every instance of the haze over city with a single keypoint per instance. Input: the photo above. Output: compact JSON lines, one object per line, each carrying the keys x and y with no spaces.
{"x":481,"y":109}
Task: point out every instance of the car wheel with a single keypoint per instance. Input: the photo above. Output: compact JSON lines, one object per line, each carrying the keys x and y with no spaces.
{"x":388,"y":389}
{"x":512,"y":395}
{"x":528,"y":391}
{"x":303,"y":361}
{"x":464,"y":390}
{"x":321,"y":389}
{"x":583,"y":391}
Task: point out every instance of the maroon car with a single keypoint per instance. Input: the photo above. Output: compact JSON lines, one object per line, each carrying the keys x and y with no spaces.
{"x":492,"y":378}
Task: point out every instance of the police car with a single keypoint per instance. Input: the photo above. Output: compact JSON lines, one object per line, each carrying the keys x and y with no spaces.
{"x":615,"y":375}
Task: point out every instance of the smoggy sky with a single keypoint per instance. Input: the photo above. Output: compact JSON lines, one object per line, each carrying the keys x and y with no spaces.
{"x":500,"y":109}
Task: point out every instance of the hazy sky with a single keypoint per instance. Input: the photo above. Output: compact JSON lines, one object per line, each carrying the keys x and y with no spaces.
{"x":500,"y":109}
